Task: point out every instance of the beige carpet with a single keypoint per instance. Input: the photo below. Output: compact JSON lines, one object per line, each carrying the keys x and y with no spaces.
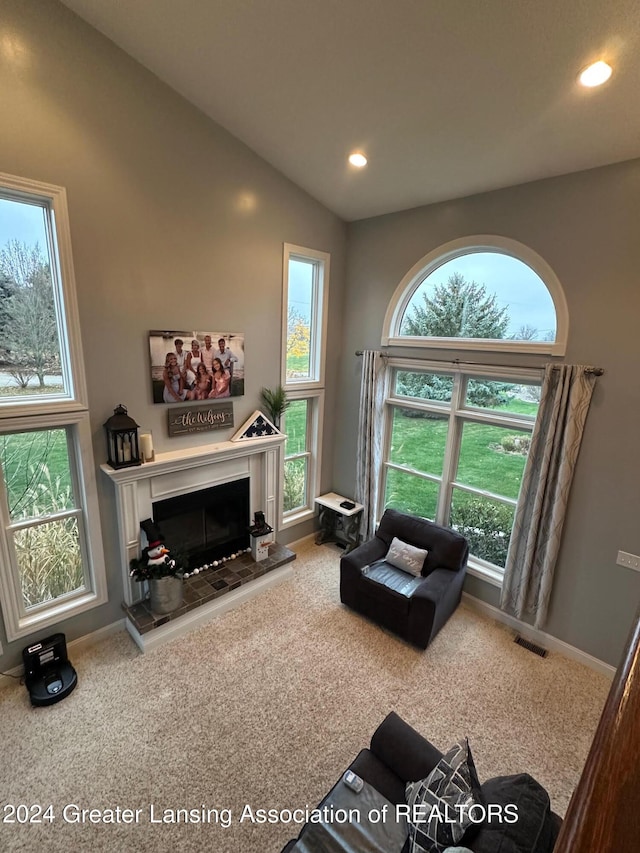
{"x":266,"y":706}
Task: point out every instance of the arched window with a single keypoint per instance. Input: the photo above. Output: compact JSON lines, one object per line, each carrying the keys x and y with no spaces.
{"x":482,"y":293}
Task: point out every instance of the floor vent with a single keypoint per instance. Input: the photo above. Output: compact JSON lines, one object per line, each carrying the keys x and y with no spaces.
{"x":527,"y":644}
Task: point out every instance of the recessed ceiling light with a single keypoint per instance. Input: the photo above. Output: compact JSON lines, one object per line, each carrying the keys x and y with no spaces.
{"x":357,"y":159}
{"x":596,"y":74}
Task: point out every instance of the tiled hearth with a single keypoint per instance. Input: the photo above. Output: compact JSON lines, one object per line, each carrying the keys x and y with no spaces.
{"x":209,"y":585}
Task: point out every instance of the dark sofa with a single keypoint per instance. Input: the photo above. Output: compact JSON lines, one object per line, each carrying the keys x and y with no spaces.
{"x":415,"y":612}
{"x":399,"y":754}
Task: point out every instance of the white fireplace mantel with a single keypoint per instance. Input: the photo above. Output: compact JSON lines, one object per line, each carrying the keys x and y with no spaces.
{"x":187,"y":470}
{"x":193,"y":457}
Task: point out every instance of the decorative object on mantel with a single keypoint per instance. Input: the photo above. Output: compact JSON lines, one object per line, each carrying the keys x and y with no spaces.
{"x":183,"y":421}
{"x":275,"y":402}
{"x":256,"y":426}
{"x":122,"y":439}
{"x":216,"y":564}
{"x":147,"y":453}
{"x":260,"y":537}
{"x":163,"y":573}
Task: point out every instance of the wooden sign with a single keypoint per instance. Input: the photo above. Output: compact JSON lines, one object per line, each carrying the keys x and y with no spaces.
{"x":187,"y":419}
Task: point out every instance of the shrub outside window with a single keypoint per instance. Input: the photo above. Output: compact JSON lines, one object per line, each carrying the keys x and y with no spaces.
{"x":45,"y":516}
{"x":297,"y":456}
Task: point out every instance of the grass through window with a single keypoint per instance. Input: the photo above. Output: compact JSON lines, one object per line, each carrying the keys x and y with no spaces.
{"x":490,"y":458}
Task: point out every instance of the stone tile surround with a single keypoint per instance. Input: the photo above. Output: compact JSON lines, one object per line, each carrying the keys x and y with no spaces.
{"x":208,"y":585}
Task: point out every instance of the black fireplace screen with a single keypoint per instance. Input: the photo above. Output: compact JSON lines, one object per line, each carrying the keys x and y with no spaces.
{"x":208,"y":524}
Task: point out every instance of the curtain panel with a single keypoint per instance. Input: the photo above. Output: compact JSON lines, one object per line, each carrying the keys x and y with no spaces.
{"x":544,"y":493}
{"x":369,"y":447}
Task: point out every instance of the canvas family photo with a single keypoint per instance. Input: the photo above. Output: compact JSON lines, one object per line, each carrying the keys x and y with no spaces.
{"x":191,"y":366}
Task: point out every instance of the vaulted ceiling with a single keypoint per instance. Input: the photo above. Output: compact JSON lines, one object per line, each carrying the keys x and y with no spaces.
{"x":445,"y":97}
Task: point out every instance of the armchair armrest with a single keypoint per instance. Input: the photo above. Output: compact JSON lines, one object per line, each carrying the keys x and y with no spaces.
{"x":434,"y":601}
{"x":363,"y":555}
{"x":438,"y":584}
{"x":403,"y":750}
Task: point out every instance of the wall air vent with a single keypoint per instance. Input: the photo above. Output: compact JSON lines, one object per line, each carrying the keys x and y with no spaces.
{"x":532,"y":647}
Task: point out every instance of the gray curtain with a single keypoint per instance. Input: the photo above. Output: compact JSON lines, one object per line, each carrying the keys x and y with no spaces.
{"x":544,"y":494}
{"x":369,"y":449}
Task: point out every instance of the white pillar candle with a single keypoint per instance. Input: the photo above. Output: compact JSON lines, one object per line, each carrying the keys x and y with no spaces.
{"x":146,"y":445}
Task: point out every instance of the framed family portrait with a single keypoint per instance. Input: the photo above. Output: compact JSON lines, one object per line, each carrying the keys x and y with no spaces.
{"x":195,"y":366}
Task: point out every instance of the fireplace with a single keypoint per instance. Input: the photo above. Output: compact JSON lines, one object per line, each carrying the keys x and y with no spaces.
{"x":184,"y":478}
{"x":207,"y":524}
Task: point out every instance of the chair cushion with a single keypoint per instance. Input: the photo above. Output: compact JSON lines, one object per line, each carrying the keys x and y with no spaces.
{"x":441,"y":803}
{"x":381,"y":572}
{"x":406,"y":557}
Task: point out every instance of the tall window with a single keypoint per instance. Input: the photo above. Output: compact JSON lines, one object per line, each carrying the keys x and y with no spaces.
{"x":486,"y":293}
{"x":51,"y":565}
{"x":306,"y":280}
{"x":456,"y":446}
{"x":457,"y":439}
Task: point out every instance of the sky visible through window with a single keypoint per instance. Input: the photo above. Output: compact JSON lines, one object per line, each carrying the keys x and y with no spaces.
{"x":30,"y":357}
{"x":301,"y":287}
{"x":23,"y":222}
{"x":514,"y":284}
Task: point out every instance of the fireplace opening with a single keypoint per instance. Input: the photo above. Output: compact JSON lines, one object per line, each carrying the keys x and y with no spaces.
{"x":207,"y":524}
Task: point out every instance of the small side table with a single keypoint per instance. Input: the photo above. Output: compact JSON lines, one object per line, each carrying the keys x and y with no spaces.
{"x":338,"y":524}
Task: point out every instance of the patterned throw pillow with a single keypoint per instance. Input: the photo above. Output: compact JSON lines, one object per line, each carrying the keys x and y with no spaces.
{"x":439,"y":805}
{"x":406,"y":557}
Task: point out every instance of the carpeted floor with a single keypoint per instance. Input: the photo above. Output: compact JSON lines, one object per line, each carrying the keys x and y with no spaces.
{"x":265,"y":707}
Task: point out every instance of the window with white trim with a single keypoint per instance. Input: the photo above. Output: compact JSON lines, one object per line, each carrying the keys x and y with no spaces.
{"x":301,"y":425}
{"x":456,"y":443}
{"x":304,"y":323}
{"x":482,"y":293}
{"x":50,"y":542}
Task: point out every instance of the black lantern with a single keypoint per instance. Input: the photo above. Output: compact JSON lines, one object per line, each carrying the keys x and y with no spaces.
{"x":122,"y":439}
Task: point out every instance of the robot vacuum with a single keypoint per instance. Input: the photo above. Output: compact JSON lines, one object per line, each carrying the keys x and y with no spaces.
{"x":48,"y":675}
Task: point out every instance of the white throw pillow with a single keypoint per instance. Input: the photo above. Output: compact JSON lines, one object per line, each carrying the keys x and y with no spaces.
{"x":406,"y":557}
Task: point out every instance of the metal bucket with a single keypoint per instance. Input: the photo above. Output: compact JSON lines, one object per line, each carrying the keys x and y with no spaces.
{"x":166,"y":594}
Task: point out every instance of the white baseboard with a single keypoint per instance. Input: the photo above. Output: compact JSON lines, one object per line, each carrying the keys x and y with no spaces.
{"x":5,"y":677}
{"x":97,"y":636}
{"x":547,"y":641}
{"x":302,"y":540}
{"x":80,"y":642}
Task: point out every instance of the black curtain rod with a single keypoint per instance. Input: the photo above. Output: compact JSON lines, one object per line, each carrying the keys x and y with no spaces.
{"x":597,"y":371}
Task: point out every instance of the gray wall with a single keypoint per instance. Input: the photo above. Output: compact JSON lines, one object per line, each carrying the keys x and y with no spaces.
{"x":174,"y":224}
{"x":585,"y":226}
{"x":163,"y":236}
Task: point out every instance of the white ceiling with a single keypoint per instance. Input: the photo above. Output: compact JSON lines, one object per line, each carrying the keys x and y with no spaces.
{"x":446,"y":97}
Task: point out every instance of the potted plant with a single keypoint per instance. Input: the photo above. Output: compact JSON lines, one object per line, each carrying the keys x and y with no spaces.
{"x":275,"y":402}
{"x":164,"y":575}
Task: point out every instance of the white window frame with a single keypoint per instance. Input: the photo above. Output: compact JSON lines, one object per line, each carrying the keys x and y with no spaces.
{"x":63,"y":279}
{"x":318,"y":329}
{"x":458,"y":415}
{"x":309,"y":388}
{"x":464,"y":246}
{"x":315,"y":412}
{"x":67,"y":410}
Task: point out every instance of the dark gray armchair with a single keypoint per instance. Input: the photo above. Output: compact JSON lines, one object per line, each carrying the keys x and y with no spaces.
{"x":413,"y":608}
